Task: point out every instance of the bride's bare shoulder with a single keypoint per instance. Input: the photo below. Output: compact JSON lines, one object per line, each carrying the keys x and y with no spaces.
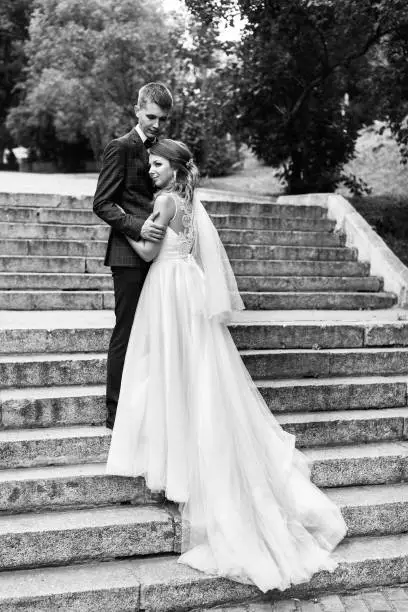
{"x":165,"y":204}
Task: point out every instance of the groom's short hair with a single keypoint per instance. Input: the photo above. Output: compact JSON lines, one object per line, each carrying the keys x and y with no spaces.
{"x":157,"y":93}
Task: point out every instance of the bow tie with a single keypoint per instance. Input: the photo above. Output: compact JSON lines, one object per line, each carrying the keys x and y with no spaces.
{"x":149,"y":142}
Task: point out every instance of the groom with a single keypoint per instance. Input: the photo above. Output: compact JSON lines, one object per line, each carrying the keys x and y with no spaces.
{"x":123,"y":199}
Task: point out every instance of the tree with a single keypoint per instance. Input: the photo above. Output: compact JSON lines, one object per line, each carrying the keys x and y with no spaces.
{"x":14,"y":20}
{"x":307,"y":68}
{"x":204,"y":115}
{"x":391,"y":86}
{"x":87,"y":61}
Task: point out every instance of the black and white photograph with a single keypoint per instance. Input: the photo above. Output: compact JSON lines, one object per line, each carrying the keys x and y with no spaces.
{"x":203,"y":305}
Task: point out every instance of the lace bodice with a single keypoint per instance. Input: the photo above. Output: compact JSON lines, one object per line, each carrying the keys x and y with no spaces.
{"x":179,"y":244}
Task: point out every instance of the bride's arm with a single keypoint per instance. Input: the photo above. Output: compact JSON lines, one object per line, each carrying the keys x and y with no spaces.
{"x":164,"y":205}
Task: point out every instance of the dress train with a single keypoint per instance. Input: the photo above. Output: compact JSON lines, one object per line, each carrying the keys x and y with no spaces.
{"x":193,"y":423}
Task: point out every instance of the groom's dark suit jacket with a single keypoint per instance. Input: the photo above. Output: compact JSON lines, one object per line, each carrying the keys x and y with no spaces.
{"x":124,"y":181}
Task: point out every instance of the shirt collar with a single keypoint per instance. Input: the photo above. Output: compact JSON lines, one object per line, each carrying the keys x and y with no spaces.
{"x":140,"y":132}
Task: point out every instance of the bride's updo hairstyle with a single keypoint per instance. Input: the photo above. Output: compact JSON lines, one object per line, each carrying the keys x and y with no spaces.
{"x":181,"y":160}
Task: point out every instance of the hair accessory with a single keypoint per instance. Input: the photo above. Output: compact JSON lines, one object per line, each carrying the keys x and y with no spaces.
{"x":190,"y":163}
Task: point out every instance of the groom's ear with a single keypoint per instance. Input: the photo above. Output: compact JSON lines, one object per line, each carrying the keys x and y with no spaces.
{"x":136,"y":109}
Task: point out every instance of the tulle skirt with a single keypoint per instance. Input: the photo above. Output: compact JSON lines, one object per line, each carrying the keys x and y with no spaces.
{"x":192,"y":422}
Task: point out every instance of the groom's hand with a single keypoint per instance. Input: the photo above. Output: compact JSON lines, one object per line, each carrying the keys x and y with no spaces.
{"x":154,"y":232}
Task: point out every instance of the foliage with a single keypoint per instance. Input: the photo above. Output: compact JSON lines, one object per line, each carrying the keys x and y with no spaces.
{"x":203,"y":116}
{"x":307,"y":69}
{"x":87,"y":61}
{"x":86,"y":64}
{"x":391,"y":86}
{"x":14,"y":20}
{"x":202,"y":120}
{"x":388,"y":215}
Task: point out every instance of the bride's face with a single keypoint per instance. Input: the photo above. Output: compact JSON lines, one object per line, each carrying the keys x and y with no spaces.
{"x":160,"y":171}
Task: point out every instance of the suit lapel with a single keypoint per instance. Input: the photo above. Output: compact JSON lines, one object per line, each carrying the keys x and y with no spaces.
{"x":135,"y":138}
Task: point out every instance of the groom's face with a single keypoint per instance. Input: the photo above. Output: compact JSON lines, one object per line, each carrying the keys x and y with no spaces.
{"x":152,"y":119}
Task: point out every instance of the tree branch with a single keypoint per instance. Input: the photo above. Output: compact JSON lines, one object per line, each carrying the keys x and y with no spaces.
{"x":375,"y":37}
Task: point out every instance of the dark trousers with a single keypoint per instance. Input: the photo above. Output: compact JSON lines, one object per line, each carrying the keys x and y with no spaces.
{"x":127,"y":284}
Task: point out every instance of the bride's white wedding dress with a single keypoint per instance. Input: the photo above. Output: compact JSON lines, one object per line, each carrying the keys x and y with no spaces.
{"x":192,"y":422}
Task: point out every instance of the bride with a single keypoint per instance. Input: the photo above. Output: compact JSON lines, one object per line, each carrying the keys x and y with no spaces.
{"x":193,"y":423}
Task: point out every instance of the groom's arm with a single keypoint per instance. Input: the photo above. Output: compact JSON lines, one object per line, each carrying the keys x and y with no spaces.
{"x":163,"y":211}
{"x":108,"y":190}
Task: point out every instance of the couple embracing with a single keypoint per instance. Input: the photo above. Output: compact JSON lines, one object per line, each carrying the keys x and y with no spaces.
{"x":184,"y":411}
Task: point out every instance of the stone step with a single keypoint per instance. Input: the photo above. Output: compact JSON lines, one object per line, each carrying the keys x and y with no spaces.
{"x":77,"y":232}
{"x":103,"y":282}
{"x":96,"y":231}
{"x":32,"y":263}
{"x":57,"y":485}
{"x":54,"y":232}
{"x":306,"y":253}
{"x":290,"y":238}
{"x":20,"y":448}
{"x":71,"y":406}
{"x":55,"y":300}
{"x":97,"y":248}
{"x":343,"y":427}
{"x":48,"y":215}
{"x":67,"y":486}
{"x":62,"y":332}
{"x":281,"y":267}
{"x":85,"y":405}
{"x":338,"y":393}
{"x":318,"y":301}
{"x":265,"y":209}
{"x":45,"y":200}
{"x":74,"y":536}
{"x":352,"y":464}
{"x":65,"y":216}
{"x":163,"y":585}
{"x":318,"y":284}
{"x":51,"y":468}
{"x":54,"y":369}
{"x":78,"y":405}
{"x":99,"y":300}
{"x":241,"y":267}
{"x":244,"y":267}
{"x":60,"y":281}
{"x":273,"y":223}
{"x":64,"y":537}
{"x":235,"y":206}
{"x":46,"y":248}
{"x":52,"y":406}
{"x":373,"y":510}
{"x":324,"y":363}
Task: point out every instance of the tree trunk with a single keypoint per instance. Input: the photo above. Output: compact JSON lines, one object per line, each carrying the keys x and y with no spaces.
{"x":295,"y":178}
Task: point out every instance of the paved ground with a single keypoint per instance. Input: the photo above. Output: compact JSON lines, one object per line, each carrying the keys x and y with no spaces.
{"x":382,"y":600}
{"x":84,"y":184}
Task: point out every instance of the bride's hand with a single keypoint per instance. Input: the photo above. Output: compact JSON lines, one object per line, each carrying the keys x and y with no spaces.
{"x":154,"y":232}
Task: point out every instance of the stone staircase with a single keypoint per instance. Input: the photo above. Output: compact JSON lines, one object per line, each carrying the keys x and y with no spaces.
{"x":285,"y":258}
{"x":72,"y":538}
